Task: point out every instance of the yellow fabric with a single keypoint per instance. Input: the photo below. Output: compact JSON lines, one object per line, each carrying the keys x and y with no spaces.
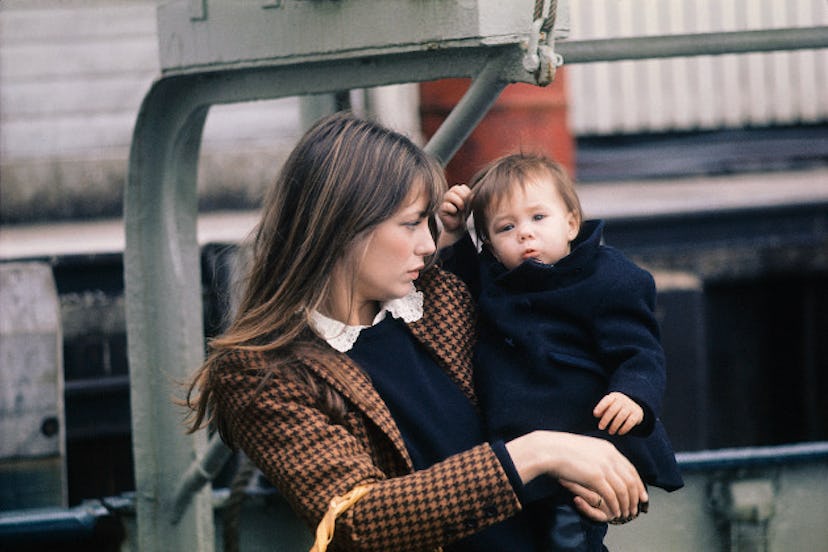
{"x":338,"y":505}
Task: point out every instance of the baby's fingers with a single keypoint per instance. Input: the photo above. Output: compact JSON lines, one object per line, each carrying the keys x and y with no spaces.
{"x":457,"y":196}
{"x":611,"y":416}
{"x":602,"y":405}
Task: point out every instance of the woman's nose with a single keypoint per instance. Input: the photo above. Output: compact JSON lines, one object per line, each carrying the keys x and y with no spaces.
{"x":425,"y":245}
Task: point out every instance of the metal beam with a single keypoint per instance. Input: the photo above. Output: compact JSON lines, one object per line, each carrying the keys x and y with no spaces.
{"x":702,"y":44}
{"x":468,"y":112}
{"x":164,"y":314}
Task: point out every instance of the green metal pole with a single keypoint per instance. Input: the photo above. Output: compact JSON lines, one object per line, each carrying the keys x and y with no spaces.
{"x":469,"y":111}
{"x":730,"y":42}
{"x":164,"y":318}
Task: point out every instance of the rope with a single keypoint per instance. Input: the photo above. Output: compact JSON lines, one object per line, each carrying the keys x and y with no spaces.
{"x":338,"y":505}
{"x":546,"y":10}
{"x":540,"y":58}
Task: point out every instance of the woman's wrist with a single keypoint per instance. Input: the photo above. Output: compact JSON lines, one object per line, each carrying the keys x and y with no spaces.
{"x":530,"y":456}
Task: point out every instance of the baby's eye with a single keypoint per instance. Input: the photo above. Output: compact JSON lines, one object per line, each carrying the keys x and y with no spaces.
{"x":538,"y":216}
{"x":504,"y":228}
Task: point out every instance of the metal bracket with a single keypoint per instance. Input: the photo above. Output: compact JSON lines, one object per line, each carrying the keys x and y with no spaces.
{"x":540,"y":58}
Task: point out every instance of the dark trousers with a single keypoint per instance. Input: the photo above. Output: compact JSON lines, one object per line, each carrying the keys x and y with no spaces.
{"x":572,"y":532}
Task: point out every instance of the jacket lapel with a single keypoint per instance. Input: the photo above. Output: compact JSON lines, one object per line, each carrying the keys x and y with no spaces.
{"x":425,"y":334}
{"x":360,"y":392}
{"x":445,"y":331}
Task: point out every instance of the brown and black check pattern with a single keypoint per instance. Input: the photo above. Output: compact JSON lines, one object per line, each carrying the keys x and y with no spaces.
{"x":312,"y":458}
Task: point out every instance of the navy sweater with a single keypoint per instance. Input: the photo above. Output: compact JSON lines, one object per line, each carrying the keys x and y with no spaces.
{"x":435,"y":418}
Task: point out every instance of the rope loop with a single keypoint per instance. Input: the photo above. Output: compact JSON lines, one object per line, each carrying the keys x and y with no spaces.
{"x":337,"y":506}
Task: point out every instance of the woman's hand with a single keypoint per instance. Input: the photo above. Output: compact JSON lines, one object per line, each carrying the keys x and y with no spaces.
{"x":605,"y":484}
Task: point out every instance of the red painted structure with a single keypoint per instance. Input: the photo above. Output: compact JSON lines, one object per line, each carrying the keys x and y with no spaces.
{"x":524,"y":118}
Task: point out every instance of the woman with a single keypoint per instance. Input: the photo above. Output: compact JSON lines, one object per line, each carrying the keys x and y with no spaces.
{"x":348,"y":366}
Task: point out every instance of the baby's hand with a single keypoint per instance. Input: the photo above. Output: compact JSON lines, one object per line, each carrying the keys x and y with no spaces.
{"x":453,"y":208}
{"x":618,"y":413}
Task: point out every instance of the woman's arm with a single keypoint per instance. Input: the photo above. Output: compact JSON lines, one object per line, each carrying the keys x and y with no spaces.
{"x":312,"y":458}
{"x":605,"y":483}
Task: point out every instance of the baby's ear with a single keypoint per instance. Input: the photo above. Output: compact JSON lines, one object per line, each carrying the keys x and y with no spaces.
{"x":574,"y":226}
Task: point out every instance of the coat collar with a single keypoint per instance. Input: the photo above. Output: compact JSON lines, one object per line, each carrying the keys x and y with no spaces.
{"x":532,"y":275}
{"x":342,"y":337}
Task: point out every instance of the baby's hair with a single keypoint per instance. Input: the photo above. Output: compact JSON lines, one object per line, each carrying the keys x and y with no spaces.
{"x":498,"y":180}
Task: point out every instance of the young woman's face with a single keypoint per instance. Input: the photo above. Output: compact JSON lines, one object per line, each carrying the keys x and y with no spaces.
{"x":532,"y":223}
{"x":390,"y":258}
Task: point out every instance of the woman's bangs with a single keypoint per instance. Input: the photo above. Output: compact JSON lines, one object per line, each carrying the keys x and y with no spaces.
{"x":431,"y":181}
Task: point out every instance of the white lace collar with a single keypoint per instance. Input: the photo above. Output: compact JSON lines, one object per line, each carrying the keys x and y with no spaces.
{"x":342,"y":336}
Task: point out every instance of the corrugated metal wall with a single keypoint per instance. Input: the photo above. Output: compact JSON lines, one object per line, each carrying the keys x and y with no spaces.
{"x":73,"y":76}
{"x":705,"y":92}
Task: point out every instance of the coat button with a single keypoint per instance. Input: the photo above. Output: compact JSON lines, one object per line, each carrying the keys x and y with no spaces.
{"x":490,"y":511}
{"x":470,"y":523}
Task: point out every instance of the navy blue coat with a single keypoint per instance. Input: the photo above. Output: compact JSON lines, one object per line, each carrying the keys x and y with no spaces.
{"x":553,"y":340}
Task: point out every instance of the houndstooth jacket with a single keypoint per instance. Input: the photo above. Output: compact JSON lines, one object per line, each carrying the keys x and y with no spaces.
{"x":312,"y":457}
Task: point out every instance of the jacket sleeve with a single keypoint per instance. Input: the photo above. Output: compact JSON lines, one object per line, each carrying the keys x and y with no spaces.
{"x":629,"y":340}
{"x":311,"y":459}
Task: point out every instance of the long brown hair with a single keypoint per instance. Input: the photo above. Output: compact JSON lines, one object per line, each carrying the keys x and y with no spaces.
{"x":344,"y":177}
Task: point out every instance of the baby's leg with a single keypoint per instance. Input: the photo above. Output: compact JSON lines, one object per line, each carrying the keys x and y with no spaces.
{"x":572,"y":532}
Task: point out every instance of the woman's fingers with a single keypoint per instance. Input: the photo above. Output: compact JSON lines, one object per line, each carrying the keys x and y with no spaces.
{"x":620,"y":485}
{"x":589,"y":502}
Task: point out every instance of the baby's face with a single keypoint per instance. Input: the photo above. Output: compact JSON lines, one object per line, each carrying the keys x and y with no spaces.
{"x":531,"y":223}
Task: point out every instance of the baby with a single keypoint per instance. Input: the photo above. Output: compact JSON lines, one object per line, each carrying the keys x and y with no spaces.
{"x":568,"y":338}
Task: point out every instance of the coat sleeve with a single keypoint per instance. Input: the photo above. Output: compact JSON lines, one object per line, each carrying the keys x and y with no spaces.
{"x":462,"y":260}
{"x":628,"y":337}
{"x":311,"y":459}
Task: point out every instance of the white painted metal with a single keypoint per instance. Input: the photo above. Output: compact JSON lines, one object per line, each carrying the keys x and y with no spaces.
{"x":32,"y":422}
{"x":291,"y":31}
